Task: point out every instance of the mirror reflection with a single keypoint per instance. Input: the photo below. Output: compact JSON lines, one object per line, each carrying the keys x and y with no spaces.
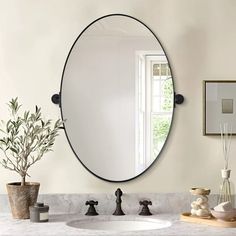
{"x":117,"y":97}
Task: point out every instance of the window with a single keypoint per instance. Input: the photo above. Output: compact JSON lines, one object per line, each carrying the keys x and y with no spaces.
{"x":154,"y":105}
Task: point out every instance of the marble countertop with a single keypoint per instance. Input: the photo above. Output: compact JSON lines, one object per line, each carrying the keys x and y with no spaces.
{"x":57,"y":226}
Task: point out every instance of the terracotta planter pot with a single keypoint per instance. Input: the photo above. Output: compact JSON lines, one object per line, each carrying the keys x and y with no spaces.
{"x":21,"y":197}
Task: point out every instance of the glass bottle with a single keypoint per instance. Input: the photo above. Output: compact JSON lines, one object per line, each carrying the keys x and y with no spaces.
{"x":225,"y":189}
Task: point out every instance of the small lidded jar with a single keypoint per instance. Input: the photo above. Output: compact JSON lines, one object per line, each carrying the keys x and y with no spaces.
{"x":39,"y":212}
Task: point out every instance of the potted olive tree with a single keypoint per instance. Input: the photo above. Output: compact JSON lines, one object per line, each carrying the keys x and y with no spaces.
{"x":24,"y":139}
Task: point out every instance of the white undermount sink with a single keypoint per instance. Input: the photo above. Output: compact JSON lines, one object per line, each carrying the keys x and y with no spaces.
{"x":119,"y":223}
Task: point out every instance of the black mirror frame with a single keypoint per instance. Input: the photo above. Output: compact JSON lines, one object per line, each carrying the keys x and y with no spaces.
{"x":56,"y":99}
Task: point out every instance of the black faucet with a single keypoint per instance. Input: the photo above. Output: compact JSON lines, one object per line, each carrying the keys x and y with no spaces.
{"x":118,"y":211}
{"x":145,"y":210}
{"x":91,"y":210}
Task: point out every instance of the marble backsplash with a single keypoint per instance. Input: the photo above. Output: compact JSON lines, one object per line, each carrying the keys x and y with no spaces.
{"x":75,"y":203}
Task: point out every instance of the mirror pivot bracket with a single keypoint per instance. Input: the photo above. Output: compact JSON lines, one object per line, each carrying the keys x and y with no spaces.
{"x":179,"y":98}
{"x":56,"y":99}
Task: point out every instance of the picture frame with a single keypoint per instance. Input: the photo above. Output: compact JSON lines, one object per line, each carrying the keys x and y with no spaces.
{"x":219,"y":105}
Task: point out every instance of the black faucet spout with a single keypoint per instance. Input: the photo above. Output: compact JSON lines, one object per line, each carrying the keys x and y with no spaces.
{"x":118,"y":211}
{"x":118,"y":194}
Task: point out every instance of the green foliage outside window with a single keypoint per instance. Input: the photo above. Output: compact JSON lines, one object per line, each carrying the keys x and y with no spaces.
{"x":161,"y":124}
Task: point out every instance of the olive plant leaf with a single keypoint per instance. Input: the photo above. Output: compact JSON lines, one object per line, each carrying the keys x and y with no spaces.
{"x":25,"y":138}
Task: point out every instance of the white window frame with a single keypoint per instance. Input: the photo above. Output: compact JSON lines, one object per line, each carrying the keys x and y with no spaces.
{"x":144,"y":80}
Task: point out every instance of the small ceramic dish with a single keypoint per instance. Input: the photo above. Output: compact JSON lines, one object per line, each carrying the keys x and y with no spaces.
{"x":200,"y":191}
{"x":224,"y":215}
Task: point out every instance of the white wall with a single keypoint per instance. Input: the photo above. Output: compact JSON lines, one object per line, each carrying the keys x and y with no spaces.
{"x":199,"y":37}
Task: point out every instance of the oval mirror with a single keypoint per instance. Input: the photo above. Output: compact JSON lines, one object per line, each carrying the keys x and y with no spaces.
{"x":117,"y":97}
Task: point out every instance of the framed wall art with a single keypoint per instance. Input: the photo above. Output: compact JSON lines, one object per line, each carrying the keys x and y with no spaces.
{"x":219,"y":102}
